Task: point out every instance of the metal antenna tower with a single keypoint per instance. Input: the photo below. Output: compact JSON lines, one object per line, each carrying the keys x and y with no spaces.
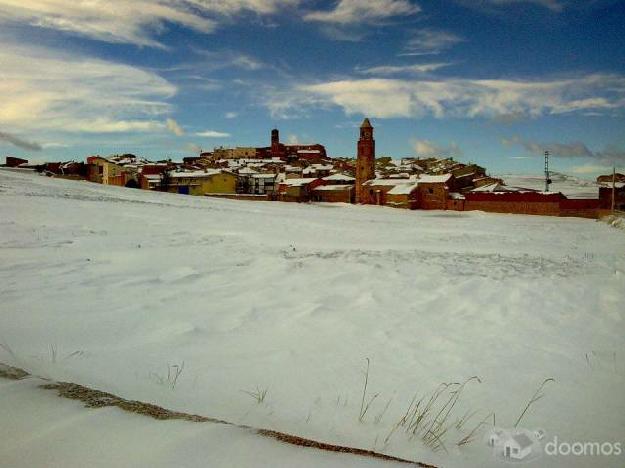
{"x":547,"y":179}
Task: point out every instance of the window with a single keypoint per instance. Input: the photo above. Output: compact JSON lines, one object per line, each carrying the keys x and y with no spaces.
{"x":430,"y":190}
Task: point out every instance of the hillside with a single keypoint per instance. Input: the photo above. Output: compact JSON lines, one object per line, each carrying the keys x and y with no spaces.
{"x":111,"y":288}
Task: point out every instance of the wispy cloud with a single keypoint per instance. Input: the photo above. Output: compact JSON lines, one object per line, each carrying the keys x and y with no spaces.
{"x":19,"y":142}
{"x":574,"y":149}
{"x":553,"y":5}
{"x":131,"y":21}
{"x":174,"y":127}
{"x":416,"y":69}
{"x":453,"y":98}
{"x":430,"y":41}
{"x":363,"y":11}
{"x":213,"y":134}
{"x":427,"y":148}
{"x":78,"y":94}
{"x":231,"y":115}
{"x":226,"y":59}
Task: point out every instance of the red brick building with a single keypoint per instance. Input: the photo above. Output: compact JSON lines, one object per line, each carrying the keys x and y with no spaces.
{"x":315,"y":152}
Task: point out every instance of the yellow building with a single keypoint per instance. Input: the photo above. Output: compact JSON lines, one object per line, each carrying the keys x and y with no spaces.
{"x":234,"y":153}
{"x":105,"y":171}
{"x":202,"y":182}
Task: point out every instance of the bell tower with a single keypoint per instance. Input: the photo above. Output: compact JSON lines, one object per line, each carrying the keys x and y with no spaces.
{"x":365,"y":161}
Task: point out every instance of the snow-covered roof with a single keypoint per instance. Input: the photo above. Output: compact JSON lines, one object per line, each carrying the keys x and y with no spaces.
{"x":308,"y":151}
{"x":434,"y":179}
{"x":299,"y":182}
{"x":264,"y":176}
{"x":323,"y":167}
{"x":333,"y":188}
{"x":339,"y":177}
{"x":194,"y":174}
{"x":387,"y":182}
{"x":617,"y":185}
{"x":497,"y":187}
{"x":403,"y":189}
{"x":456,"y":196}
{"x":247,"y":170}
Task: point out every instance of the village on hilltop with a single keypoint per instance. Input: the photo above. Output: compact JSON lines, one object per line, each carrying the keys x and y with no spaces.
{"x":305,"y":173}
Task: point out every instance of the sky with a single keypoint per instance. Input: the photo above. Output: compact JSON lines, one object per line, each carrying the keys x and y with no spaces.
{"x":496,"y":82}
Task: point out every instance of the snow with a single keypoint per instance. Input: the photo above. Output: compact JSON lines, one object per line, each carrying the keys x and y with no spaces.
{"x":570,"y":186}
{"x":107,"y":287}
{"x":41,"y":430}
{"x":387,"y":182}
{"x":333,"y":188}
{"x":434,"y":179}
{"x":298,"y":182}
{"x":403,"y":189}
{"x":339,"y":177}
{"x":194,"y":174}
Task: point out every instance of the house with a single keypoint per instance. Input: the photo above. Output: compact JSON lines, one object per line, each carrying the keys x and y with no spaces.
{"x":403,"y":196}
{"x":202,"y":182}
{"x":335,"y":193}
{"x":297,"y":190}
{"x":607,"y":192}
{"x":338,"y":179}
{"x":263,"y":183}
{"x":433,"y":191}
{"x":12,"y":161}
{"x":106,"y":171}
{"x":517,"y":447}
{"x":374,"y":191}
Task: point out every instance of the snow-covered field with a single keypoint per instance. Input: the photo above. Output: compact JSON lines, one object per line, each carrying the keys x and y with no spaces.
{"x":571,"y":186}
{"x":110,"y":287}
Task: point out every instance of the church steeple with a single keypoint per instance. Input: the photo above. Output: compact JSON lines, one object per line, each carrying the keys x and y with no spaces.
{"x":365,"y":161}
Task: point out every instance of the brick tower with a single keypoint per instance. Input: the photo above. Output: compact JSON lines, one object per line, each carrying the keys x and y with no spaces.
{"x":275,"y":143}
{"x":365,"y":162}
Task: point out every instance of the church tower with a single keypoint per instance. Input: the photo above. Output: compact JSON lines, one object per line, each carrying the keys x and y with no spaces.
{"x":365,"y":162}
{"x":275,"y":143}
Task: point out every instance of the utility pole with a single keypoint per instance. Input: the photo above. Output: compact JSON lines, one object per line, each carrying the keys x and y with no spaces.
{"x":547,"y":179}
{"x":613,"y":187}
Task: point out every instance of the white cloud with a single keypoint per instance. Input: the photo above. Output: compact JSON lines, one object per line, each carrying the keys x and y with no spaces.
{"x":174,"y":127}
{"x":231,"y":115}
{"x":430,"y":41}
{"x":45,"y":90}
{"x":388,"y":70}
{"x":213,"y":134}
{"x":455,"y":98}
{"x":363,"y":11}
{"x":130,"y":21}
{"x":427,"y":148}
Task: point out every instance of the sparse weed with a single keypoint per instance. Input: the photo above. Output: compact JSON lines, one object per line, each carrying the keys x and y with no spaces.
{"x":364,"y":407}
{"x":535,"y":397}
{"x":174,"y":371}
{"x":429,"y":418}
{"x":259,"y":394}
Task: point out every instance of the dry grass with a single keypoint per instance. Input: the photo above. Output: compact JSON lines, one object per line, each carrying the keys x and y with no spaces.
{"x":97,"y":399}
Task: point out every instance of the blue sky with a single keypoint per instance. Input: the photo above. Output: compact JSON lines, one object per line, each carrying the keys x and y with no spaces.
{"x":492,"y":81}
